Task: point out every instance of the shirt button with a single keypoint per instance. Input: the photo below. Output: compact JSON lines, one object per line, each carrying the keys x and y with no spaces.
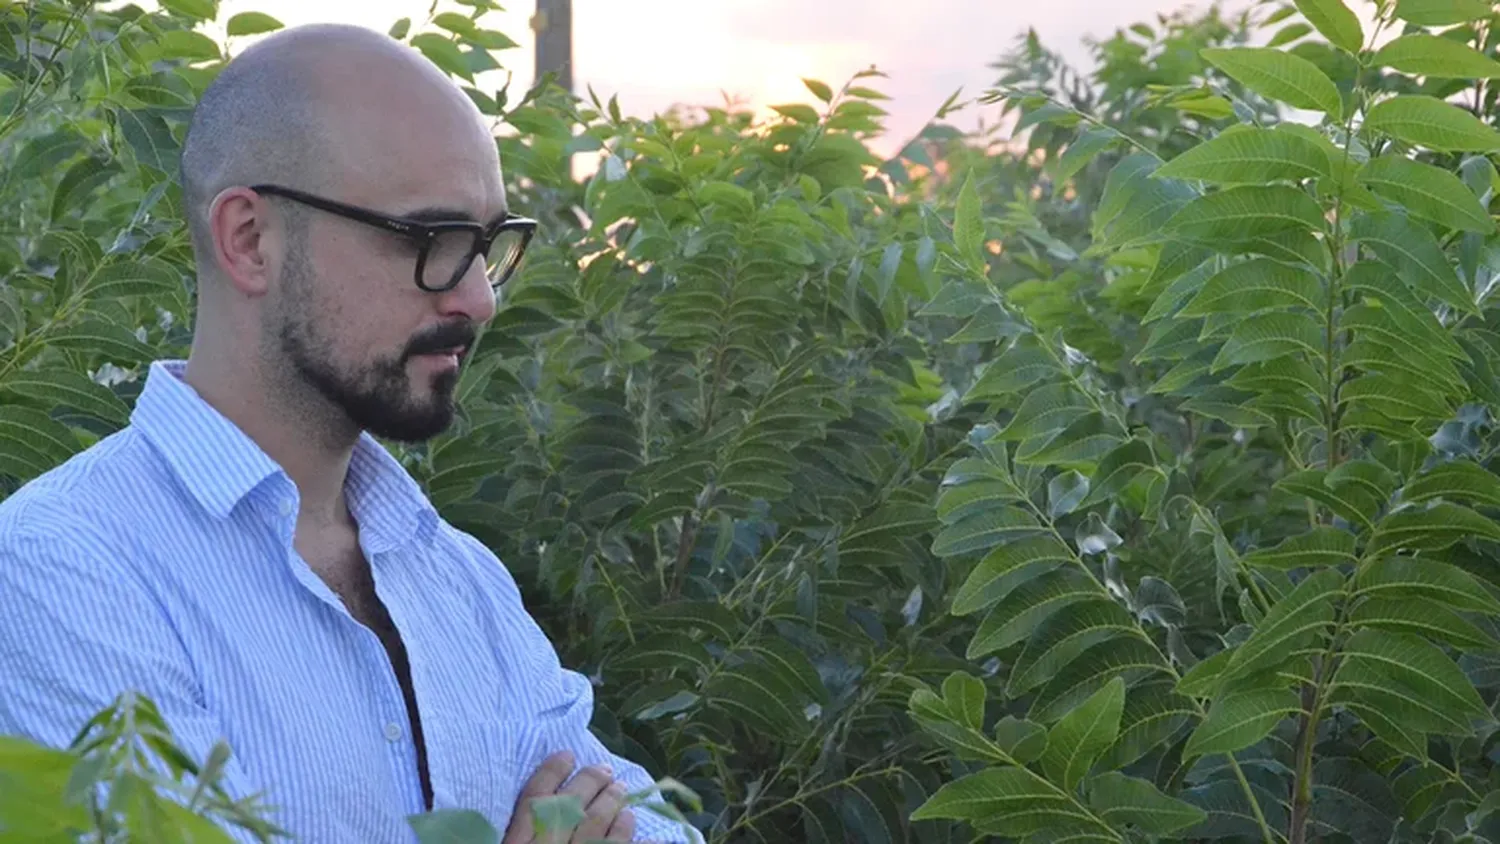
{"x":286,"y":508}
{"x":393,"y":731}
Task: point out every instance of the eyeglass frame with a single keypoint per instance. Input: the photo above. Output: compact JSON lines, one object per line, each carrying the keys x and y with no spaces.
{"x":424,"y":233}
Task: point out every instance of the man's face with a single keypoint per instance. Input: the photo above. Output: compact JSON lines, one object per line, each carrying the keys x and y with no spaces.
{"x":349,"y":320}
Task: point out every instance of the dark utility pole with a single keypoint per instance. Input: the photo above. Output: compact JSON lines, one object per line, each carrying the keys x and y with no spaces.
{"x":554,"y":40}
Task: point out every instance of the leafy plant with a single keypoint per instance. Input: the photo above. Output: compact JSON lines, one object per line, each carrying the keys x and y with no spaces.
{"x":1240,"y":580}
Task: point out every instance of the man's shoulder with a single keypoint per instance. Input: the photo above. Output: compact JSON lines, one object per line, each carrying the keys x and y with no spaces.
{"x":86,"y":495}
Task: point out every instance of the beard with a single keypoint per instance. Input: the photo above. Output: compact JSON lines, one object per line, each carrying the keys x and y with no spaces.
{"x":377,"y":397}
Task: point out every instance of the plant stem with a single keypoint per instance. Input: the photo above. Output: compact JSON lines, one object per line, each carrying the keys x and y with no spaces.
{"x":1266,"y":834}
{"x":1313,"y":701}
{"x":685,"y":544}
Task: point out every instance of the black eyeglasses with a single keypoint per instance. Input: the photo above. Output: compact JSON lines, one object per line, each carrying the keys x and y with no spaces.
{"x":445,"y":249}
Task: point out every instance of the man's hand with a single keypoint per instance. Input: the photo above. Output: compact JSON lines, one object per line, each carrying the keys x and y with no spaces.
{"x":603,"y":802}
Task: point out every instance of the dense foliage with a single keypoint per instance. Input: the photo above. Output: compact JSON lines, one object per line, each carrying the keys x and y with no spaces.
{"x":1127,"y":484}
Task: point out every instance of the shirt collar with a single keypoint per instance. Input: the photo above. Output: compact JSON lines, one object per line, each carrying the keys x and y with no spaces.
{"x":220,"y":465}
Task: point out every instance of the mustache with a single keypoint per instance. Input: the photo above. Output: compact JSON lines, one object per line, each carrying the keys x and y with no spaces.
{"x":451,"y":335}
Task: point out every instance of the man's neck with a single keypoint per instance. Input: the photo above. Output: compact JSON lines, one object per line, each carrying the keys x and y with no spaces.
{"x":313,"y":451}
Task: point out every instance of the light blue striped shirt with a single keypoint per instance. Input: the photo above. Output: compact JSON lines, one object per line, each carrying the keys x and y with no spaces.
{"x":161,"y":560}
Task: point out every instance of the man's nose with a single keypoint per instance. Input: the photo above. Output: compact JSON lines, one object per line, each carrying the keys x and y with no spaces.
{"x":472,"y":298}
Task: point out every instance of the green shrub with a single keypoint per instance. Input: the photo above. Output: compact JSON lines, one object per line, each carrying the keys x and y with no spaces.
{"x":1226,"y":528}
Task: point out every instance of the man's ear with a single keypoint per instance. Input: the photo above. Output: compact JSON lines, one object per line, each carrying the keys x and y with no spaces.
{"x":246,"y":245}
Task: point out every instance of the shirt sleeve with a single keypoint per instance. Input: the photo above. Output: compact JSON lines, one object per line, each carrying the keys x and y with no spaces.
{"x":565,"y":718}
{"x":77,"y":631}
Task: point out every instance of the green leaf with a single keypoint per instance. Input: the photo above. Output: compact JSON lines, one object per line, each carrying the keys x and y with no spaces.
{"x":1120,"y":800}
{"x":400,"y":28}
{"x":935,"y":717}
{"x":1425,"y":578}
{"x":1289,"y":33}
{"x":709,"y":616}
{"x":1020,"y":368}
{"x":1027,"y":606}
{"x":1135,"y":206}
{"x":1245,"y":212}
{"x":1294,"y":622}
{"x":1153,"y":714}
{"x":819,"y":89}
{"x":1414,"y":254}
{"x":1424,"y":618}
{"x":12,"y":315}
{"x":1081,"y":151}
{"x":1421,"y":54}
{"x":975,"y":496}
{"x":1430,"y":122}
{"x":113,"y":342}
{"x":454,"y":22}
{"x":200,"y":10}
{"x":1005,"y":568}
{"x":1267,"y":336}
{"x":738,"y":201}
{"x":1077,"y":741}
{"x":1248,"y":156}
{"x":1279,"y":75}
{"x":1203,"y":104}
{"x":1431,"y":529}
{"x":1065,"y":635}
{"x":69,"y":389}
{"x":1239,"y":719}
{"x":252,"y":23}
{"x":1202,"y":679}
{"x":760,"y":696}
{"x":1334,"y":21}
{"x":558,"y":814}
{"x":489,"y":39}
{"x":1078,"y":446}
{"x":1024,"y":741}
{"x":31,"y":439}
{"x":1353,"y":503}
{"x":185,"y":44}
{"x":1441,"y":12}
{"x":1011,"y":799}
{"x":1119,"y":469}
{"x":965,"y":696}
{"x":1321,"y":546}
{"x":1462,"y":480}
{"x":1381,"y":665}
{"x":890,"y":262}
{"x":968,"y":226}
{"x":1128,"y":657}
{"x":1256,"y":285}
{"x":1428,"y":192}
{"x":1395,"y":398}
{"x":983,"y":530}
{"x":1396,"y":317}
{"x":133,"y":278}
{"x":1051,"y":407}
{"x":444,"y":53}
{"x":663,"y":652}
{"x":453,"y":826}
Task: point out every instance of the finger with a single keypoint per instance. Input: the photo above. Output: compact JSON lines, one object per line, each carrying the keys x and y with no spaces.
{"x":600,"y":814}
{"x":589,"y":782}
{"x":544,"y":782}
{"x":550,"y":776}
{"x":623,"y":829}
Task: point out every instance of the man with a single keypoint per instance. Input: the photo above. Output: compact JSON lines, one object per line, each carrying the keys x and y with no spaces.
{"x":245,"y":553}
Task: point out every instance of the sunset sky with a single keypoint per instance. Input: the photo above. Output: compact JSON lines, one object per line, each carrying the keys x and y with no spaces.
{"x":654,"y":53}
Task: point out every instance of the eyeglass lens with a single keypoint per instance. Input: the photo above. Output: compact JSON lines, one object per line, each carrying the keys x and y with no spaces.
{"x":446,"y":257}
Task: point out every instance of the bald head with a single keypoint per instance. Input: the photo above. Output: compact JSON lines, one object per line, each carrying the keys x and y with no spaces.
{"x":317,"y":108}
